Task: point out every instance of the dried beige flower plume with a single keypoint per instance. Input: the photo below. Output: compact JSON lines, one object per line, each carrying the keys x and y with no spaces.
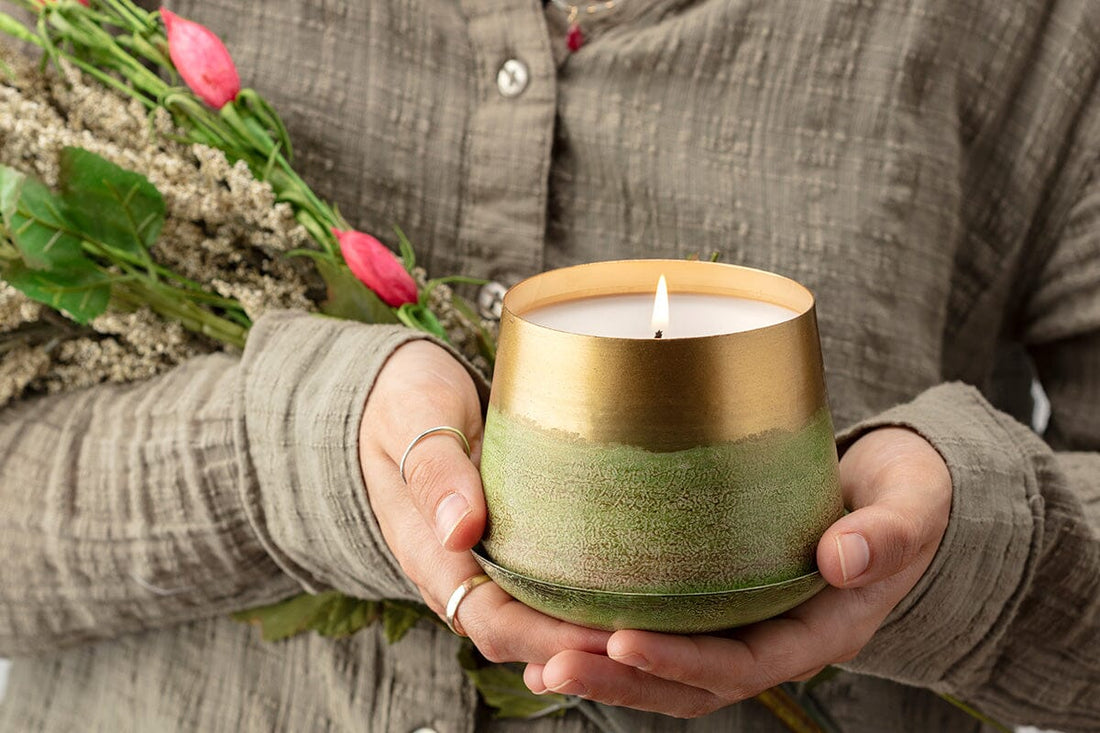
{"x":223,"y":228}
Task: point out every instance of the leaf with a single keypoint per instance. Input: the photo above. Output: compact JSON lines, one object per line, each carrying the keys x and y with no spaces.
{"x":408,"y":255}
{"x":344,"y":615}
{"x":37,"y":223}
{"x":80,"y":289}
{"x":347,"y":297}
{"x":11,"y":186}
{"x":502,"y":688}
{"x":421,"y":318}
{"x":109,"y":204}
{"x":330,"y":614}
{"x":400,"y":616}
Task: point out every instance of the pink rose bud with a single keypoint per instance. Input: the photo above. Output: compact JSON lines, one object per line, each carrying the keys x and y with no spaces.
{"x":377,"y":267}
{"x":202,"y":60}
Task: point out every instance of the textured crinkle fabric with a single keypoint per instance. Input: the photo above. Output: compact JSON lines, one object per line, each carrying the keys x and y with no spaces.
{"x":928,"y":168}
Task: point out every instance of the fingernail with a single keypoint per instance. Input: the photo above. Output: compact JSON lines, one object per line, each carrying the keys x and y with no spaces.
{"x":854,"y":554}
{"x":633,"y":659}
{"x":571,"y":687}
{"x":452,"y":510}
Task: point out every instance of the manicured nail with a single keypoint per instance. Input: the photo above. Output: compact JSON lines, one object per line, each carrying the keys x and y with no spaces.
{"x":452,"y":510}
{"x":633,"y":659}
{"x":571,"y":687}
{"x":854,"y":554}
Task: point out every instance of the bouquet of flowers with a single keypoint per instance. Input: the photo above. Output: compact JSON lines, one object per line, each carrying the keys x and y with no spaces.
{"x":149,"y":211}
{"x":93,"y":238}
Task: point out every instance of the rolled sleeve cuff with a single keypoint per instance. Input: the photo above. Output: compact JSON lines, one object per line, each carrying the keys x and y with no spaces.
{"x":304,"y":385}
{"x":984,"y":564}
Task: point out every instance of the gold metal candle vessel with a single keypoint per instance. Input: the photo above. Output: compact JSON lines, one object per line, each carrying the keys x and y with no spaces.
{"x":676,"y":484}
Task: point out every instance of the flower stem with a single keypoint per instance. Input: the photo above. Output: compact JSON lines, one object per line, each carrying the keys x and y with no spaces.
{"x":136,"y":293}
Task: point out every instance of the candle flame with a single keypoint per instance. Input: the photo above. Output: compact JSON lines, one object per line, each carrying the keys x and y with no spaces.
{"x":660,"y":307}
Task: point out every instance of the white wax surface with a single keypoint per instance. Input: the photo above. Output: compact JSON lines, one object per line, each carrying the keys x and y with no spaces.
{"x":629,"y":316}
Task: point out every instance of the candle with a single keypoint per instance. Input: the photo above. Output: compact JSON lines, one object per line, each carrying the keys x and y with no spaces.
{"x":674,"y":483}
{"x":639,"y":315}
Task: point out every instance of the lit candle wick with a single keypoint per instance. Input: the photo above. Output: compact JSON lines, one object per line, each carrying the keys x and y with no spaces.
{"x":660,"y":309}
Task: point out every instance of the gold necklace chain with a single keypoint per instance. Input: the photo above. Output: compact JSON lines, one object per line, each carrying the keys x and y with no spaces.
{"x":575,"y":36}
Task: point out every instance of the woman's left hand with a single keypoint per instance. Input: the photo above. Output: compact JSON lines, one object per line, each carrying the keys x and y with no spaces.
{"x":899,"y":492}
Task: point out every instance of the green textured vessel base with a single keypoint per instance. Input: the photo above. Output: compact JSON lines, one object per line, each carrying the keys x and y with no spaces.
{"x":620,"y":518}
{"x":688,"y":613}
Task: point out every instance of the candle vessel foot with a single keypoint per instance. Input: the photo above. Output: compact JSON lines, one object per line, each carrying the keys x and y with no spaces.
{"x":673,"y":613}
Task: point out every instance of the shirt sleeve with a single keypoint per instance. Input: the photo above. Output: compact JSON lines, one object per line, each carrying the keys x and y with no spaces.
{"x":224,"y":484}
{"x":1007,"y":617}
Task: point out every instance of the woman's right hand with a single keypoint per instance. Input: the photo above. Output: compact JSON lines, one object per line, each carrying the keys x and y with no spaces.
{"x":431,"y":522}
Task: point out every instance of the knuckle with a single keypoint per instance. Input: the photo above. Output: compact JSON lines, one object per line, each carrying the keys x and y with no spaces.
{"x":491,"y":646}
{"x":902,"y":540}
{"x":493,"y":651}
{"x":699,"y":707}
{"x":427,"y":471}
{"x":734,"y":694}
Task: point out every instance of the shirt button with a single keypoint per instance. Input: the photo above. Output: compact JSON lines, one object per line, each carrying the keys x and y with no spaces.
{"x":490,"y":300}
{"x":512,"y":78}
{"x":424,"y":730}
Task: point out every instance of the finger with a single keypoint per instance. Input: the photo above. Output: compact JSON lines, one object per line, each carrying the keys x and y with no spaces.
{"x":829,"y":628}
{"x":532,"y":677}
{"x":598,"y":678}
{"x":899,"y":489}
{"x":446,"y":488}
{"x":505,"y":630}
{"x":810,"y":674}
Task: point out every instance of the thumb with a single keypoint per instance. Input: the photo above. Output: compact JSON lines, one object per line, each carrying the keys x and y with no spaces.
{"x":898,"y":490}
{"x":445,"y":485}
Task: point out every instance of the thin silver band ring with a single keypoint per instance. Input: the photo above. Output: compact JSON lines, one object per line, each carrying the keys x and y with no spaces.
{"x":425,"y":434}
{"x":456,"y":599}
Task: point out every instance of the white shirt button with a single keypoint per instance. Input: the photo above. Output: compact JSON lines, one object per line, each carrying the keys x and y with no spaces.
{"x":512,"y":78}
{"x":490,"y":300}
{"x":424,"y":730}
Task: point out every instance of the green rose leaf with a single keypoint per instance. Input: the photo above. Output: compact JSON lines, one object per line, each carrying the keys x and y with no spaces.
{"x":37,"y":223}
{"x":80,"y":289}
{"x":110,"y":205}
{"x":332,"y":614}
{"x":347,"y":297}
{"x":400,"y":616}
{"x":329,"y":614}
{"x":11,"y":186}
{"x":420,"y":318}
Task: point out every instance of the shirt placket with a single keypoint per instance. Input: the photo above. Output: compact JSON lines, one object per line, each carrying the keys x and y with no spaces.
{"x":502,"y":226}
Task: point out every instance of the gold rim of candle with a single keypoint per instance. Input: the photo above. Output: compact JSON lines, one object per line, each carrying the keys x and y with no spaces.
{"x":659,"y":394}
{"x":627,"y":277}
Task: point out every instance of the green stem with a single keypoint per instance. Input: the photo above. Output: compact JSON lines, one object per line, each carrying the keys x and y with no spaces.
{"x":191,"y":294}
{"x":140,"y":45}
{"x":12,"y":27}
{"x":139,"y":19}
{"x":976,"y":714}
{"x":189,"y":315}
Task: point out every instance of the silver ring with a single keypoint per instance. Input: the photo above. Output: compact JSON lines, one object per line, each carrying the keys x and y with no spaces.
{"x":425,"y":434}
{"x":456,"y":598}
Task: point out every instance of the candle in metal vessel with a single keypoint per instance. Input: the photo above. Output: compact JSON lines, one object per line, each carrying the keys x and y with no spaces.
{"x":629,"y":315}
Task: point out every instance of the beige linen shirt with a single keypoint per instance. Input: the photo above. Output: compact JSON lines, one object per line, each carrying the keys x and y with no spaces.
{"x":929,"y":168}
